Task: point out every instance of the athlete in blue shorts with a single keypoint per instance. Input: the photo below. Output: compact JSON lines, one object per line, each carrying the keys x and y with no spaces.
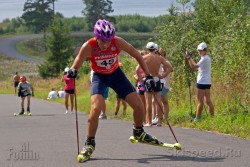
{"x":103,"y":51}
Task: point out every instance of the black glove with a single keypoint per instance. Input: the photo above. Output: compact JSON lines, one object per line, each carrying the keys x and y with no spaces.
{"x":19,"y":93}
{"x":149,"y":83}
{"x":72,"y":73}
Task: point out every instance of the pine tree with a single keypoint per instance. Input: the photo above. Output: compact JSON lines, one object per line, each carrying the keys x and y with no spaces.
{"x":38,"y":14}
{"x":97,"y":9}
{"x":60,"y":50}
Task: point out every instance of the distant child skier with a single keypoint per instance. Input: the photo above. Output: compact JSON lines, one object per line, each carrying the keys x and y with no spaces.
{"x":25,"y":89}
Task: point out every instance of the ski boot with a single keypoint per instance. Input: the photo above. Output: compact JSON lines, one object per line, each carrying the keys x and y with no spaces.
{"x":21,"y":113}
{"x":87,"y":150}
{"x":85,"y":153}
{"x":28,"y":112}
{"x":143,"y":137}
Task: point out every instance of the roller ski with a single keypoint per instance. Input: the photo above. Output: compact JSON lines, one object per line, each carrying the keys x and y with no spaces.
{"x":23,"y":114}
{"x":156,"y":142}
{"x":139,"y":136}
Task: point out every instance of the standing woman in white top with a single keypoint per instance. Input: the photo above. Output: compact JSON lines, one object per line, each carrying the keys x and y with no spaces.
{"x":203,"y":79}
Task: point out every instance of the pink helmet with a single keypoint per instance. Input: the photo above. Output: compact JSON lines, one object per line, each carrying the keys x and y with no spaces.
{"x":104,"y":30}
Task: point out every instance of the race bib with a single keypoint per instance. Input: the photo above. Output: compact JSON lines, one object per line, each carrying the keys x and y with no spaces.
{"x":105,"y":63}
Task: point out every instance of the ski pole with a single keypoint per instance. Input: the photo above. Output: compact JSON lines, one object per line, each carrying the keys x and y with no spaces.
{"x":77,"y":136}
{"x":190,"y":96}
{"x":165,"y":118}
{"x":189,"y":87}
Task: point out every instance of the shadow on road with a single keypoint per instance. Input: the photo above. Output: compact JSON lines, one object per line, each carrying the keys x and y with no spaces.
{"x":44,"y":115}
{"x":155,"y":158}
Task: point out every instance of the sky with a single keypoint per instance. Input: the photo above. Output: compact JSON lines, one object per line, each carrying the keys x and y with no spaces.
{"x":70,"y":8}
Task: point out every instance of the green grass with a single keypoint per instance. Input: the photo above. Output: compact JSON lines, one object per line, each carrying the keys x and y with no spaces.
{"x":9,"y":66}
{"x":25,"y":48}
{"x":236,"y":125}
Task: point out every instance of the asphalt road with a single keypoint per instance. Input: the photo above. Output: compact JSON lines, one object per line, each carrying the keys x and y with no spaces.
{"x":8,"y":46}
{"x":48,"y":138}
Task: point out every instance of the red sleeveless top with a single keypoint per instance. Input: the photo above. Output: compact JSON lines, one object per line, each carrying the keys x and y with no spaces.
{"x":104,"y":62}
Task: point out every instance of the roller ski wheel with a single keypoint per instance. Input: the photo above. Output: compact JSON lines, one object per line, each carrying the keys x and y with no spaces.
{"x":158,"y":143}
{"x":85,"y":154}
{"x":27,"y":114}
{"x":18,"y":114}
{"x":82,"y":158}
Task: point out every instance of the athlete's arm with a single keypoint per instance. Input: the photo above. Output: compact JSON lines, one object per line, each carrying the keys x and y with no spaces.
{"x":125,"y":46}
{"x":167,"y":68}
{"x":83,"y":54}
{"x":191,"y":62}
{"x":139,"y":76}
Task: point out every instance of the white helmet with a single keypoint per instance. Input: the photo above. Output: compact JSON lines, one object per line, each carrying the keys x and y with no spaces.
{"x":66,"y":69}
{"x":150,"y":45}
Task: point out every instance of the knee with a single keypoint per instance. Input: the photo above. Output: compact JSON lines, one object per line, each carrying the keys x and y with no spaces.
{"x":164,"y":102}
{"x":95,"y":111}
{"x":138,"y":107}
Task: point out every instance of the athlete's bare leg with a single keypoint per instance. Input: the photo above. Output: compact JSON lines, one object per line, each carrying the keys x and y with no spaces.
{"x":135,"y":102}
{"x":97,"y":104}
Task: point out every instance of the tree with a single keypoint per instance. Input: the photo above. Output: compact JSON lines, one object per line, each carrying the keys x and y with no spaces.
{"x":172,"y":10}
{"x":97,"y":9}
{"x":60,"y":50}
{"x":38,"y":14}
{"x":225,"y":27}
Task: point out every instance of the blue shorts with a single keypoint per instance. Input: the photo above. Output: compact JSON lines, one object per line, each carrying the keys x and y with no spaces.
{"x":117,"y":81}
{"x":106,"y":93}
{"x":164,"y":91}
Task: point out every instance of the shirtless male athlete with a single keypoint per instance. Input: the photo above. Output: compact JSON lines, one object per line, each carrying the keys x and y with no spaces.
{"x":154,"y":62}
{"x":16,"y":79}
